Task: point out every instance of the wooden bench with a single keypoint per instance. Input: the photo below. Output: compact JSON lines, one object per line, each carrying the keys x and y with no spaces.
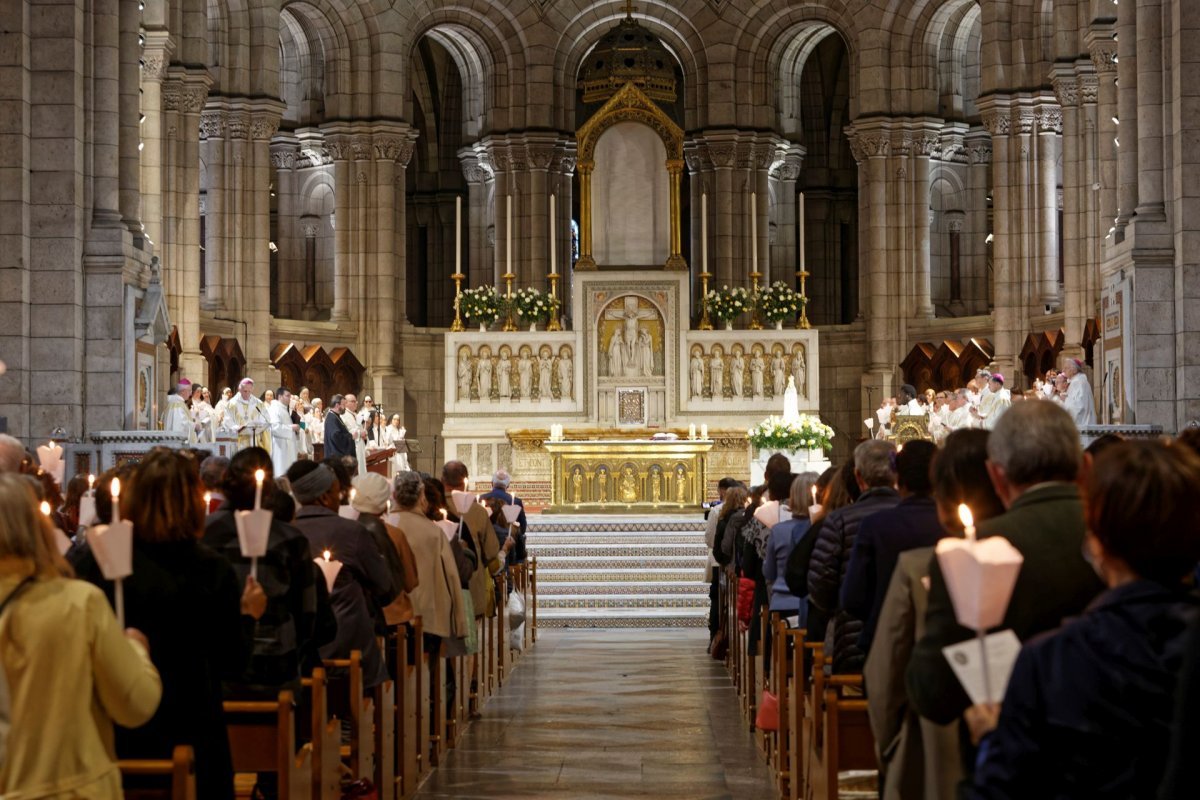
{"x":178,"y":774}
{"x":840,"y":735}
{"x":360,"y":754}
{"x":326,"y":741}
{"x":262,"y":738}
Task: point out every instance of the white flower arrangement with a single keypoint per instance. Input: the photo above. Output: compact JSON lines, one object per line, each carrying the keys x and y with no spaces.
{"x":726,"y":304}
{"x":776,"y":433}
{"x":532,"y":305}
{"x":481,"y":304}
{"x":778,"y":302}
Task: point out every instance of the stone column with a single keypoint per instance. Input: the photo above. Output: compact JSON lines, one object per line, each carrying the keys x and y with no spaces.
{"x":393,"y":149}
{"x":562,"y":173}
{"x":213,"y":126}
{"x":478,"y":263}
{"x":872,"y":147}
{"x":1104,"y":60}
{"x":155,"y":58}
{"x":785,"y":257}
{"x":975,"y":247}
{"x":1049,"y":124}
{"x":1006,"y":268}
{"x":310,"y":228}
{"x":1151,"y":206}
{"x":130,"y":110}
{"x":1127,"y":105}
{"x":256,"y":254}
{"x":924,"y":143}
{"x":289,"y":291}
{"x":724,"y":207}
{"x":955,"y":221}
{"x":106,"y":113}
{"x":339,"y":150}
{"x":700,"y":172}
{"x":1075,"y":197}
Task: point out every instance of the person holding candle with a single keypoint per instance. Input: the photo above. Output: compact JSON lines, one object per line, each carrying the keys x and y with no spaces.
{"x":197,"y":616}
{"x":501,"y":484}
{"x":286,"y":630}
{"x":59,"y":725}
{"x":1088,"y":708}
{"x":364,"y":583}
{"x":1033,"y":462}
{"x":372,"y":493}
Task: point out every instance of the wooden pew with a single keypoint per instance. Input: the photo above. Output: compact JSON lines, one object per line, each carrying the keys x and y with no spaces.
{"x":412,"y":731}
{"x":179,"y":774}
{"x":386,"y":732}
{"x":326,"y":741}
{"x":359,"y":754}
{"x":841,"y":732}
{"x":262,"y":738}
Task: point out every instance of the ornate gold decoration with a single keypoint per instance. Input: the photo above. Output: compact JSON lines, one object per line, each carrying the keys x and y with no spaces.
{"x":906,"y":428}
{"x":509,"y":323}
{"x":457,"y":326}
{"x":554,"y":324}
{"x":803,"y":323}
{"x":642,"y":472}
{"x":629,"y":104}
{"x":755,"y":286}
{"x":705,"y":322}
{"x":629,"y":54}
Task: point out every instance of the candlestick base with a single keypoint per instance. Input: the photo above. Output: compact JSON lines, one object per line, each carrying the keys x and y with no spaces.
{"x":457,"y":326}
{"x":705,"y":323}
{"x":554,"y":324}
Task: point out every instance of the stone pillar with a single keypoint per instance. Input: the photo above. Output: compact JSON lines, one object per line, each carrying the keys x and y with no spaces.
{"x":1049,"y":128}
{"x":1006,"y":267}
{"x":478,"y":264}
{"x":213,"y":126}
{"x":1104,"y":60}
{"x":976,"y":283}
{"x":1127,"y":105}
{"x":309,"y":226}
{"x":256,"y":254}
{"x":1151,"y":206}
{"x":339,"y":149}
{"x":155,"y":58}
{"x":922,"y":148}
{"x":872,"y":147}
{"x":290,"y":287}
{"x":785,"y":255}
{"x":183,"y":97}
{"x":106,"y":112}
{"x":722,"y":205}
{"x":955,"y":222}
{"x":130,"y":110}
{"x":393,"y":149}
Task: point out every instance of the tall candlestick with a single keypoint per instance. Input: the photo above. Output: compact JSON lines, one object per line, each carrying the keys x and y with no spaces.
{"x":754,"y":231}
{"x":553,"y":237}
{"x":508,"y":236}
{"x":800,"y":240}
{"x":704,"y":232}
{"x":458,"y":234}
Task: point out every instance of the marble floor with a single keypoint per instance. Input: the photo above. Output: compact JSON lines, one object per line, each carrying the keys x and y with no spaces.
{"x":609,"y":714}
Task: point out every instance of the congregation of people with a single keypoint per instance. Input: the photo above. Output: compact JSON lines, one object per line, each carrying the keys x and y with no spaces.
{"x":983,"y":401}
{"x":204,"y":623}
{"x":1101,"y":701}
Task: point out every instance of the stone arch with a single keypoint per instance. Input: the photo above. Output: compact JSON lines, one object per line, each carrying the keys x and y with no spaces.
{"x":489,"y":47}
{"x":940,"y":44}
{"x":676,"y":29}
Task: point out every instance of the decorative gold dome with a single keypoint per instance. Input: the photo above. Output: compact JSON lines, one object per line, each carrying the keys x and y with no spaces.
{"x":629,"y":54}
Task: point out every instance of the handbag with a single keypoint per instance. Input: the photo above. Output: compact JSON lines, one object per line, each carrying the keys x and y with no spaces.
{"x":745,"y":599}
{"x":767,"y":718}
{"x":719,"y":648}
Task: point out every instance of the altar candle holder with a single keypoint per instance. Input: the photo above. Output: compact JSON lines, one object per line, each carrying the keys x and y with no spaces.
{"x":509,"y":323}
{"x":755,"y":322}
{"x":705,"y":322}
{"x":554,"y":324}
{"x":457,"y":326}
{"x":803,"y":323}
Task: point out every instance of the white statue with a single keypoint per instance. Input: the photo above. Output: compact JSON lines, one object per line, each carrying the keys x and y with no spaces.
{"x":616,"y":354}
{"x":791,"y":402}
{"x":696,"y":370}
{"x":504,"y":379}
{"x":778,"y":374}
{"x":545,"y":364}
{"x":737,"y":373}
{"x":485,"y":375}
{"x":758,"y":366}
{"x":646,"y":346}
{"x":464,"y":375}
{"x":800,"y":371}
{"x":525,"y":375}
{"x":716,"y":368}
{"x":566,"y":374}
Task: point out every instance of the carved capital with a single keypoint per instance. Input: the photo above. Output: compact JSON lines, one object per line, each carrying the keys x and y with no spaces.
{"x":360,"y":148}
{"x":541,"y":156}
{"x":1050,"y":119}
{"x":154,"y":66}
{"x":186,"y":98}
{"x":1025,"y":119}
{"x":213,"y":124}
{"x":567,"y":165}
{"x":744,"y":155}
{"x":1089,"y":89}
{"x":864,"y":145}
{"x":721,"y":155}
{"x":310,"y":229}
{"x":980,"y":154}
{"x":283,"y":158}
{"x":1104,"y":55}
{"x":338,"y":147}
{"x":264,"y":126}
{"x":926,"y":144}
{"x":1067,"y":91}
{"x":238,"y":126}
{"x":997,"y":121}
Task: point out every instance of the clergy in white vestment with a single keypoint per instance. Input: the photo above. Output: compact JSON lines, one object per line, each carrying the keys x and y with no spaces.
{"x":1079,"y":402}
{"x":357,"y":432}
{"x":994,"y":403}
{"x":393,"y":436}
{"x":960,"y":412}
{"x":314,"y":422}
{"x":178,"y":417}
{"x":203,"y":415}
{"x":283,"y":432}
{"x":246,"y":418}
{"x":909,"y":405}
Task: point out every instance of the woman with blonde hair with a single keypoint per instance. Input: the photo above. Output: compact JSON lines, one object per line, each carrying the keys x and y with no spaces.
{"x":67,"y":672}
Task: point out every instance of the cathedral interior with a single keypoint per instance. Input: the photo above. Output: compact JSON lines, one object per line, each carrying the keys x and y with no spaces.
{"x":218,"y":188}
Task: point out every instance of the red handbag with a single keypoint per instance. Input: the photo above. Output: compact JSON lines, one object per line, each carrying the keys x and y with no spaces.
{"x":745,"y":600}
{"x":767,"y":718}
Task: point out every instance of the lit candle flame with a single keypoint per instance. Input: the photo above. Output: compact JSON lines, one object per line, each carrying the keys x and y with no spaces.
{"x":353,"y":494}
{"x":45,"y":508}
{"x":964,"y":514}
{"x":207,"y":498}
{"x":444,"y":514}
{"x":114,"y":489}
{"x":51,"y":444}
{"x":260,"y":476}
{"x":814,"y":494}
{"x":326,"y":554}
{"x":91,"y":481}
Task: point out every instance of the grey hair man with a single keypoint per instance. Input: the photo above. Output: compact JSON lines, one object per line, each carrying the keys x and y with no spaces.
{"x":1034,"y":457}
{"x":12,"y":453}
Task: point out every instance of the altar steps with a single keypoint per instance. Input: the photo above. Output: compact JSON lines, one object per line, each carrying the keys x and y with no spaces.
{"x":631,"y":572}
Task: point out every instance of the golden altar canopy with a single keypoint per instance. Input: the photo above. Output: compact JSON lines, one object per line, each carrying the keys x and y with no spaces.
{"x":627,"y":475}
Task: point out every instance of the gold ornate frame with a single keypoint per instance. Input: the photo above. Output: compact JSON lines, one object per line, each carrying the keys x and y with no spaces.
{"x":630,"y":104}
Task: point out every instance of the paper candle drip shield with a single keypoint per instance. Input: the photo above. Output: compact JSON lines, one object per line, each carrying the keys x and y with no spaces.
{"x":113,"y":548}
{"x":462,"y":501}
{"x":253,"y":530}
{"x":330,"y":568}
{"x":449,"y":528}
{"x":980,"y":576}
{"x":511,"y":513}
{"x":768,"y":514}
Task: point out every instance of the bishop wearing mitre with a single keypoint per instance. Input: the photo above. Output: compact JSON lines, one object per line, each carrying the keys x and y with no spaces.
{"x":246,"y":417}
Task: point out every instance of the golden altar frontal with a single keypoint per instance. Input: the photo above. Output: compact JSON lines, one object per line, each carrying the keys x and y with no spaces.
{"x":627,"y":475}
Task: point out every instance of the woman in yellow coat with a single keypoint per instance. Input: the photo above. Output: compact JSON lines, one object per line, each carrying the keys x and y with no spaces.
{"x":67,"y":671}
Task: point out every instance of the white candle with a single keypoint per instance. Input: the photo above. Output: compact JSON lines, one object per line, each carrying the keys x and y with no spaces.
{"x":704,"y":432}
{"x":754,"y":231}
{"x":968,"y":521}
{"x":114,"y":489}
{"x":207,"y":501}
{"x":91,"y":482}
{"x":800,"y":241}
{"x":508,"y":238}
{"x":814,"y":494}
{"x":692,"y":431}
{"x":553,"y":238}
{"x":259,"y":477}
{"x":704,"y":232}
{"x":458,"y":235}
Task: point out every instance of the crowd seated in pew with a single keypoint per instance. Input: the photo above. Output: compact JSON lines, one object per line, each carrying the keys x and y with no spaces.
{"x":1104,"y":603}
{"x":233,"y":676}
